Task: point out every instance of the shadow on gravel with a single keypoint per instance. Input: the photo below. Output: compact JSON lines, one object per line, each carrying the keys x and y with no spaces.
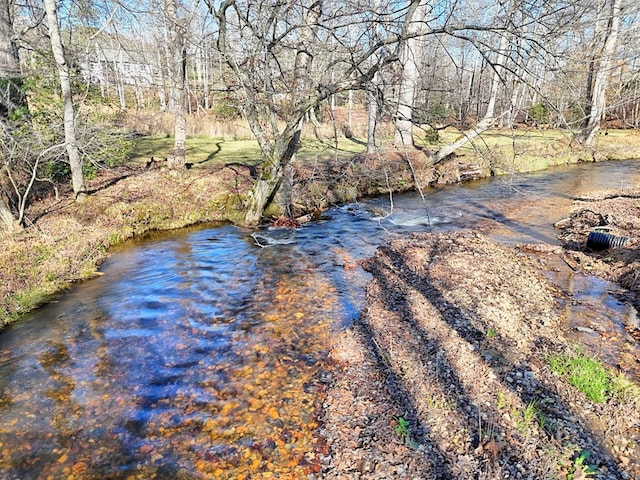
{"x":406,"y":336}
{"x":398,"y":391}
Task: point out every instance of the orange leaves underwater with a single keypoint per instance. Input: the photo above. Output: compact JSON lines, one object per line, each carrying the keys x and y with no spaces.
{"x":259,"y":422}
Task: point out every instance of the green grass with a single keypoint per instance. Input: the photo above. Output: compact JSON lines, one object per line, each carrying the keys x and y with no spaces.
{"x":587,"y":374}
{"x":534,"y":149}
{"x":199,"y":150}
{"x":528,"y":416}
{"x":202,"y":150}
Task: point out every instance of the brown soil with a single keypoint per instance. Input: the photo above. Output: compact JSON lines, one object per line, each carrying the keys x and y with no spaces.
{"x":454,"y":340}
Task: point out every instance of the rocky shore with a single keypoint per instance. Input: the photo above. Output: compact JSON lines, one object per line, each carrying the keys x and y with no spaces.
{"x":447,"y":372}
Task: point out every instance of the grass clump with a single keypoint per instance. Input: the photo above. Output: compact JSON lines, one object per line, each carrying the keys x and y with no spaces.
{"x":529,"y":416}
{"x":624,"y":389}
{"x":587,"y":374}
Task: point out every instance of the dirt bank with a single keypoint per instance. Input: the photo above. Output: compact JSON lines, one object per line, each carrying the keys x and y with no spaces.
{"x":613,"y":213}
{"x":446,"y":374}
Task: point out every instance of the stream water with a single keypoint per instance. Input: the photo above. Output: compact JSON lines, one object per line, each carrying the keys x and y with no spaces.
{"x":199,"y":353}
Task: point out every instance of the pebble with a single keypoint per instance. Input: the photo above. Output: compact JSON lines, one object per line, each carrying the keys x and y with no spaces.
{"x":585,"y":329}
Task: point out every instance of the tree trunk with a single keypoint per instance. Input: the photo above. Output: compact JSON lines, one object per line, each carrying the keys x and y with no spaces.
{"x":75,"y":162}
{"x":467,"y":136}
{"x":598,"y":78}
{"x":496,"y":80}
{"x":8,"y":222}
{"x":373,"y":111}
{"x":177,"y":64}
{"x":268,"y":183}
{"x":11,"y":93}
{"x":410,"y":53}
{"x":406,"y":93}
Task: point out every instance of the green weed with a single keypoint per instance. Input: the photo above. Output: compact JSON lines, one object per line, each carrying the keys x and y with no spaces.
{"x":580,"y":467}
{"x":402,"y":429}
{"x":585,"y":373}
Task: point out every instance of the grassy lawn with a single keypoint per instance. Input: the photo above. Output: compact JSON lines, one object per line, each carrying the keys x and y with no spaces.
{"x":199,"y":149}
{"x":202,"y":150}
{"x":502,"y":150}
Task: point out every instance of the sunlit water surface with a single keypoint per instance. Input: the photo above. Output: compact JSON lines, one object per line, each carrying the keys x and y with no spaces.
{"x":199,"y":353}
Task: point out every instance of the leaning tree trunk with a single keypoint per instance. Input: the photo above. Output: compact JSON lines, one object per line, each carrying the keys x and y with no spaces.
{"x":599,"y":72}
{"x":77,"y":178}
{"x":272,"y":172}
{"x":489,"y":117}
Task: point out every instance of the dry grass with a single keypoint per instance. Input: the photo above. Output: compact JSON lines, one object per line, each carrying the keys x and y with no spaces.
{"x":68,"y":240}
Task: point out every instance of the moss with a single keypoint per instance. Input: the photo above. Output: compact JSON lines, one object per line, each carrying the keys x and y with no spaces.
{"x":273,"y":210}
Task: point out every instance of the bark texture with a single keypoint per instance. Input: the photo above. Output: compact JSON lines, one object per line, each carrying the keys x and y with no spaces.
{"x":599,"y":72}
{"x":176,"y":62}
{"x":11,"y":95}
{"x":410,"y":53}
{"x":75,"y":162}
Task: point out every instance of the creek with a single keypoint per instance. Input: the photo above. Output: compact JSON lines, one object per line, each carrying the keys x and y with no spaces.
{"x":200,"y":353}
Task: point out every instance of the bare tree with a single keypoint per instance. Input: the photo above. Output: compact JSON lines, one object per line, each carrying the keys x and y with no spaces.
{"x":279,"y":55}
{"x":607,"y":28}
{"x":75,"y":162}
{"x":176,"y":57}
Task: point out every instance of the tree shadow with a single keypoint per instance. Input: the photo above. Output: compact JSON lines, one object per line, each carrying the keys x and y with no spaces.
{"x":119,"y":175}
{"x":212,"y":155}
{"x":402,"y":397}
{"x":396,"y":279}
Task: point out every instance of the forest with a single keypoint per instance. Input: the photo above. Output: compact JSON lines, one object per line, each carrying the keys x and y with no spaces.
{"x":83,"y":81}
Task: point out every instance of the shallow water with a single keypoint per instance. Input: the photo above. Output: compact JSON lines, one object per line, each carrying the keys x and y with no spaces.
{"x":199,"y":353}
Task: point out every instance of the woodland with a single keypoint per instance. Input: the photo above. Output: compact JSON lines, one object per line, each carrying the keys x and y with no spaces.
{"x":84,"y":81}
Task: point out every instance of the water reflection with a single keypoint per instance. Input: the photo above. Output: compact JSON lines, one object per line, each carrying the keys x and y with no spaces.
{"x":197,"y":354}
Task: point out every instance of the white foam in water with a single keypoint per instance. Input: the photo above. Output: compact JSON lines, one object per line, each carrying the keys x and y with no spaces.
{"x":264,"y":239}
{"x":408,"y":221}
